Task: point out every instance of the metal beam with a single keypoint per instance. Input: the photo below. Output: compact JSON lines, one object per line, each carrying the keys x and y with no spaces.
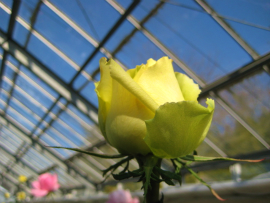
{"x":225,"y":106}
{"x":107,"y":37}
{"x":237,"y":75}
{"x":48,"y":77}
{"x":14,"y":12}
{"x":36,"y":140}
{"x":228,"y":29}
{"x":9,"y":122}
{"x":161,"y":46}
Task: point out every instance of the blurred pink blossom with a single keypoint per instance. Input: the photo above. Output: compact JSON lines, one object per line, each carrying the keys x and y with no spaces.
{"x":122,"y":196}
{"x":46,"y":183}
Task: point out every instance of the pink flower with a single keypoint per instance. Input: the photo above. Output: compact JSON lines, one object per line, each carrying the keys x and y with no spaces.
{"x":122,"y":196}
{"x":46,"y":183}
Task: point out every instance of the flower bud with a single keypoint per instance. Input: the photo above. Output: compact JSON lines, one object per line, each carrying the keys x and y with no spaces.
{"x":151,"y":109}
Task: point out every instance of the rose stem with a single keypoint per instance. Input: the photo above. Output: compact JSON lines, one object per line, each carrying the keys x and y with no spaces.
{"x":153,"y":193}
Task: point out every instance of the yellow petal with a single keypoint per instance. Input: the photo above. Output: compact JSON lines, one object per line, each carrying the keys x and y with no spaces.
{"x":104,"y":93}
{"x":139,"y":70}
{"x":189,"y":89}
{"x":128,"y":83}
{"x":125,"y":125}
{"x":159,"y":82}
{"x":178,"y":128}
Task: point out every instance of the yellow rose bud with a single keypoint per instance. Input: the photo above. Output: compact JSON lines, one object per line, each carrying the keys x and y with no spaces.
{"x":22,"y":178}
{"x":151,"y":109}
{"x":21,"y":196}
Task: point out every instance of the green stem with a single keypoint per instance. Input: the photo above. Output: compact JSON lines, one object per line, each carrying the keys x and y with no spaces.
{"x":152,"y":195}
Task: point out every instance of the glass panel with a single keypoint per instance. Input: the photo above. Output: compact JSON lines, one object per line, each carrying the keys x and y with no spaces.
{"x":132,"y":54}
{"x":19,"y":118}
{"x":230,"y":136}
{"x":9,"y":141}
{"x":36,"y":159}
{"x":6,"y":157}
{"x":49,"y":141}
{"x":250,"y":100}
{"x":87,"y":126}
{"x":121,"y":33}
{"x":23,"y":170}
{"x":87,"y":15}
{"x":205,"y":150}
{"x":65,"y":179}
{"x":90,"y":68}
{"x":34,"y":92}
{"x":210,"y":54}
{"x":77,"y":131}
{"x":230,"y":9}
{"x":254,"y":29}
{"x":27,"y":9}
{"x":8,"y":3}
{"x":89,"y":93}
{"x":4,"y":18}
{"x":87,"y":168}
{"x":255,"y":37}
{"x":59,"y":33}
{"x":38,"y":83}
{"x":50,"y":59}
{"x":20,"y":34}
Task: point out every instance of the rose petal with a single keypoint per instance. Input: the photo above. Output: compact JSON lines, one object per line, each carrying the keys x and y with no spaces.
{"x":160,"y":83}
{"x":178,"y":128}
{"x":36,"y":185}
{"x":125,"y":125}
{"x":104,"y":93}
{"x":128,"y":83}
{"x":39,"y":193}
{"x":189,"y":89}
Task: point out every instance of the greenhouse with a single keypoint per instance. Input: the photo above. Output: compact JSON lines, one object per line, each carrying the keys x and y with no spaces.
{"x":160,"y":101}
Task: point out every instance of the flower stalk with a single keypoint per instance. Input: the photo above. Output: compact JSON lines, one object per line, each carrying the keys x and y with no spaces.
{"x":151,"y":185}
{"x":152,"y":195}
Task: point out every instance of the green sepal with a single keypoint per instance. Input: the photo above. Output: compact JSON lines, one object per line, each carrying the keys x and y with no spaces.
{"x":104,"y":156}
{"x":124,"y":175}
{"x":203,"y":158}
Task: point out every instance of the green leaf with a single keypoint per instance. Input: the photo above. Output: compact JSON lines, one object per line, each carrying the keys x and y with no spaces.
{"x":104,"y":156}
{"x":126,"y":168}
{"x":204,"y":183}
{"x":137,"y":172}
{"x":169,"y":182}
{"x":116,"y":165}
{"x":203,"y":158}
{"x":121,"y":176}
{"x":167,"y":175}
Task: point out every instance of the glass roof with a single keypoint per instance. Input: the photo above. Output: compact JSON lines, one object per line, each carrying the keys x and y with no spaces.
{"x":50,"y":53}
